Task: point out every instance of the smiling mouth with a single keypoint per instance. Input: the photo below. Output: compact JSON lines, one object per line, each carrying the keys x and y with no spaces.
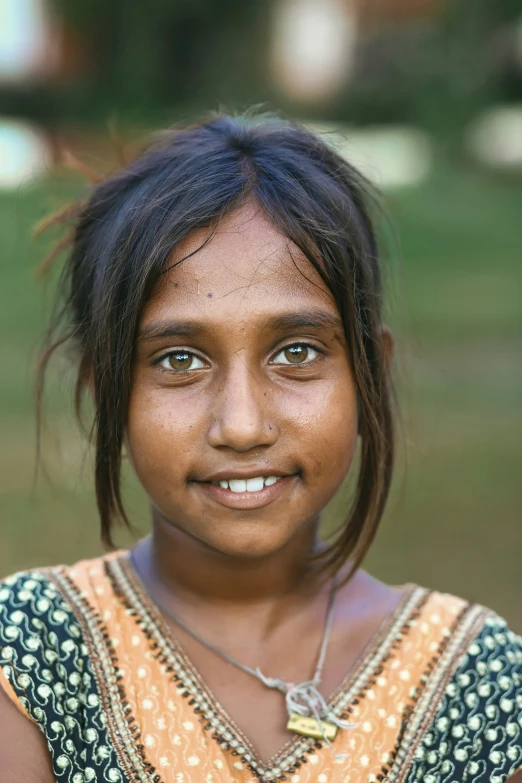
{"x":247,"y":485}
{"x":251,"y":493}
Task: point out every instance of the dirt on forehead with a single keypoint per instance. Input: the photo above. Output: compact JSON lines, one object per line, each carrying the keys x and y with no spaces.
{"x":245,"y":254}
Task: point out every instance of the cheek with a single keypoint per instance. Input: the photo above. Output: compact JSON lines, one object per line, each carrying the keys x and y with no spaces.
{"x":325,"y":425}
{"x":159,"y":437}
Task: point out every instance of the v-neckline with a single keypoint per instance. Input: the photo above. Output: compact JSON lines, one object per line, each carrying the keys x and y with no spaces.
{"x":207,"y":707}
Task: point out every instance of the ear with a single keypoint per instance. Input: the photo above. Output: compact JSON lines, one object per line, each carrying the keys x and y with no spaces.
{"x":388,"y":347}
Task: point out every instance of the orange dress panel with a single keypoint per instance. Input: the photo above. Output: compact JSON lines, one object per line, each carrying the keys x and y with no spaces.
{"x":159,"y":711}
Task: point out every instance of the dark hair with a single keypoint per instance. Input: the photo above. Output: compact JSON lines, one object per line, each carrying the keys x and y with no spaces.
{"x":188,"y":178}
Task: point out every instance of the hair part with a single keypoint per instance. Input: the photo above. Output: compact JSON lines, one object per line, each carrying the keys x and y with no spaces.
{"x":187,"y":179}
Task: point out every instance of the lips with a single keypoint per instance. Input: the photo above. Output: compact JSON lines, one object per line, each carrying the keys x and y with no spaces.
{"x":245,"y":499}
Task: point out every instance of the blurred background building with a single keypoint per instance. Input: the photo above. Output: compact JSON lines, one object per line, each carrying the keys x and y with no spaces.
{"x":425,"y":96}
{"x":432,"y":64}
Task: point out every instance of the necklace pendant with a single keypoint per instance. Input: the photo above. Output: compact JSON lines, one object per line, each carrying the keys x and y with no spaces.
{"x":311,"y":727}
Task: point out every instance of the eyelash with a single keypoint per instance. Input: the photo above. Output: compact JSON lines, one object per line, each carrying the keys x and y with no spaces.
{"x":164,"y":356}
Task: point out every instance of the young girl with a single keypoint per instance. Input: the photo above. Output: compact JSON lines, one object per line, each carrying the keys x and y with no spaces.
{"x":224,"y":296}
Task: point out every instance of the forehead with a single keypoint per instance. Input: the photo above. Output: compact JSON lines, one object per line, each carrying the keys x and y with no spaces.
{"x":247,"y":269}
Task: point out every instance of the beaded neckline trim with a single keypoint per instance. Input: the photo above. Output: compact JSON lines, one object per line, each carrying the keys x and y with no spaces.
{"x":189,"y":683}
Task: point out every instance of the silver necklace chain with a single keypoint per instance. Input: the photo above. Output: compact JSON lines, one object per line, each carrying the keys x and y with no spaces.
{"x":303,"y":698}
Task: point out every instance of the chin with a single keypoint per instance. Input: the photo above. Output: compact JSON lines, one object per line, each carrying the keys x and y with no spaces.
{"x":240,"y":538}
{"x":249,"y":544}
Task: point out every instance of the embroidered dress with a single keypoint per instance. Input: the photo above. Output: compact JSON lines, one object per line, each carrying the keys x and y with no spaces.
{"x":436,"y":695}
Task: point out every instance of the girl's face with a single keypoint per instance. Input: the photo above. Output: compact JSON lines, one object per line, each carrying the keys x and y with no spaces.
{"x":242,"y":375}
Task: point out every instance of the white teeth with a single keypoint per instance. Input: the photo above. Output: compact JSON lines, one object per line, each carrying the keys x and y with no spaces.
{"x":255,"y":484}
{"x":237,"y":485}
{"x":248,"y":485}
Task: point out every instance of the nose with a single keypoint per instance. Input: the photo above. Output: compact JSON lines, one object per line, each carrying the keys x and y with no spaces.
{"x":241,"y":419}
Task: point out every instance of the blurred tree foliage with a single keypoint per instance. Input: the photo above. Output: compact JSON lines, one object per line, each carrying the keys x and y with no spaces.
{"x":147,"y":57}
{"x":146,"y":62}
{"x":439,"y":73}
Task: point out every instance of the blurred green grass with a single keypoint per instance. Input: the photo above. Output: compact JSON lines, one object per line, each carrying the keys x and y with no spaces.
{"x":454,"y":521}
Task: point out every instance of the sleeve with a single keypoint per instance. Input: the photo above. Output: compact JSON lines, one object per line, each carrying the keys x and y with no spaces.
{"x":47,"y":671}
{"x":10,"y":692}
{"x":35,"y":631}
{"x":476,"y":734}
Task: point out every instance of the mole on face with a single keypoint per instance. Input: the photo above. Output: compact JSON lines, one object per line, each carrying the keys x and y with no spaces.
{"x":209,"y":296}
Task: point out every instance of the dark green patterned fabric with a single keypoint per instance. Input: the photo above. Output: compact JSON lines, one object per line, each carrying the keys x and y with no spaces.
{"x":46,"y":662}
{"x":476,"y":735}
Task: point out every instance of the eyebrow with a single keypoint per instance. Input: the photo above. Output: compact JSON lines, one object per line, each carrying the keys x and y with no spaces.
{"x":306,"y":319}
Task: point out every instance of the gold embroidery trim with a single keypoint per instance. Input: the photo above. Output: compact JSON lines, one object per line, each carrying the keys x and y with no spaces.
{"x":388,"y":636}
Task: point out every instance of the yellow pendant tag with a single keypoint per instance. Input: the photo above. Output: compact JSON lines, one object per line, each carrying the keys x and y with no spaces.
{"x":311,"y":727}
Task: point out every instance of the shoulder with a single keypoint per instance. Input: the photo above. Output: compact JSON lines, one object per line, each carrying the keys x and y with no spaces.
{"x":47,"y":590}
{"x":40,"y":600}
{"x":41,"y":640}
{"x":46,"y":665}
{"x":35,"y":620}
{"x":41,"y":610}
{"x":468,"y":714}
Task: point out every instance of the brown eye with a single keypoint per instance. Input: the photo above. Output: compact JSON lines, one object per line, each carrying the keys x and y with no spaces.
{"x":299,"y":353}
{"x":181,"y":361}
